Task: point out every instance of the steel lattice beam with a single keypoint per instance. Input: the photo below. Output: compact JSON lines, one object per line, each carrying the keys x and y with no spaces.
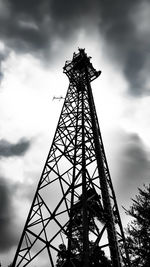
{"x":74,"y":213}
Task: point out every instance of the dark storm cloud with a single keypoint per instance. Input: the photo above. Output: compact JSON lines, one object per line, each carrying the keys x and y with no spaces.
{"x":130,"y":47}
{"x":8,"y":237}
{"x":22,"y":25}
{"x":135,"y":157}
{"x":10,"y":223}
{"x":133,"y":163}
{"x":8,"y":149}
{"x":33,"y":25}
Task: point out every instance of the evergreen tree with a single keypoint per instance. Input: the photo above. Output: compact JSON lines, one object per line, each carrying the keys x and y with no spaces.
{"x":138,"y":230}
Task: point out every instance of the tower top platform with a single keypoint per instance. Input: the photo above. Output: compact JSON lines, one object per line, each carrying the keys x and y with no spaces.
{"x":80,"y":67}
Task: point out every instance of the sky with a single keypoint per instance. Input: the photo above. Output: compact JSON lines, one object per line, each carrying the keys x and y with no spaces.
{"x":36,"y":38}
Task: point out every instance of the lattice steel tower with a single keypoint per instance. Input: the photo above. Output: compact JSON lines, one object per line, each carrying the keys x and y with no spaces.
{"x":74,"y":219}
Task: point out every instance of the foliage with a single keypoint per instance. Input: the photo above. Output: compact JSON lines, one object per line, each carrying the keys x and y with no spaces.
{"x":97,"y":256}
{"x":138,"y":230}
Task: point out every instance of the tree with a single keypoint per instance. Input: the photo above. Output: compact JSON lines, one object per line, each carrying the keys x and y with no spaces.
{"x":97,"y":256}
{"x":138,"y":230}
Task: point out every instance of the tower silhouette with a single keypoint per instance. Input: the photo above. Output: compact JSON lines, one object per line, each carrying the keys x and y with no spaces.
{"x":74,"y":219}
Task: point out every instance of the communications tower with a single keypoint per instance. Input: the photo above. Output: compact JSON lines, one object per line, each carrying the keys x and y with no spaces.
{"x":74,"y":219}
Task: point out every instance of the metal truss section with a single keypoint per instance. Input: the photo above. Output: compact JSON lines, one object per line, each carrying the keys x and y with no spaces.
{"x":74,"y":218}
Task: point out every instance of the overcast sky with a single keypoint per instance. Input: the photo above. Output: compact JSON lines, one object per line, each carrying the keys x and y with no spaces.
{"x":36,"y":38}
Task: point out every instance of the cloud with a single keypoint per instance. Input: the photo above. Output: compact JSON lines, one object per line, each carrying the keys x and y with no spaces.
{"x":8,"y":237}
{"x":119,"y":25}
{"x":4,"y":53}
{"x":8,"y":149}
{"x":23,"y":26}
{"x":34,"y":26}
{"x":14,"y":200}
{"x":135,"y":157}
{"x":133,"y":164}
